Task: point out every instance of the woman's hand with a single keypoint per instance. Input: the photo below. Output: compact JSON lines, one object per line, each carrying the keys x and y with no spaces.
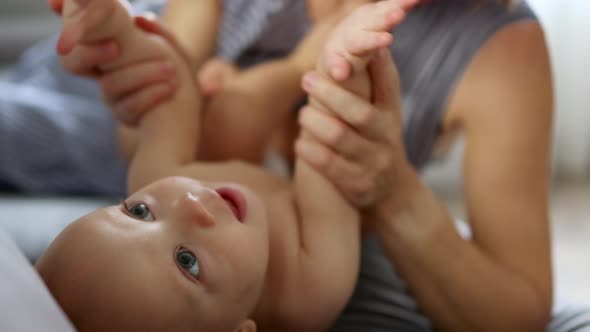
{"x":136,"y":89}
{"x":356,"y":144}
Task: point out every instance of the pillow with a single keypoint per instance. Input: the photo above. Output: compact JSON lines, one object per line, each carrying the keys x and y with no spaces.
{"x":25,"y":302}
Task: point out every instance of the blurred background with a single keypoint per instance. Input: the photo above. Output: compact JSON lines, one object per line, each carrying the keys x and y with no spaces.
{"x":567,"y":25}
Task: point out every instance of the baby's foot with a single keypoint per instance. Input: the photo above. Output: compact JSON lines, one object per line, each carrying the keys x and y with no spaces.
{"x":87,"y":21}
{"x":358,"y":36}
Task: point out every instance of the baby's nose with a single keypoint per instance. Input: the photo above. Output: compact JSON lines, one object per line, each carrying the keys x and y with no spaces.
{"x":195,"y":211}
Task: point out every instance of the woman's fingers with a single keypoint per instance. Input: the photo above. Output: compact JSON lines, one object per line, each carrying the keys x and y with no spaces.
{"x":335,"y":134}
{"x":385,"y":78}
{"x":84,"y":59}
{"x":348,"y":177}
{"x":352,"y":109}
{"x":126,"y":80}
{"x":331,"y":164}
{"x":130,"y":109}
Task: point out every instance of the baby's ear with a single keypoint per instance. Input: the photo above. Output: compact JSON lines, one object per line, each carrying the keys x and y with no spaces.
{"x":246,"y":326}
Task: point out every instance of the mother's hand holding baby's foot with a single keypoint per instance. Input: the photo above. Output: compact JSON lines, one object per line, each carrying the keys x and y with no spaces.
{"x":356,"y":139}
{"x":357,"y":144}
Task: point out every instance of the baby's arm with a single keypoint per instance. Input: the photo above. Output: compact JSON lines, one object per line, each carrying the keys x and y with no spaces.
{"x":329,"y":226}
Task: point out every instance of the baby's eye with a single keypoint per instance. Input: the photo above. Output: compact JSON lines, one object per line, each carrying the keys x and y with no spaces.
{"x":140,"y":211}
{"x":188,"y":261}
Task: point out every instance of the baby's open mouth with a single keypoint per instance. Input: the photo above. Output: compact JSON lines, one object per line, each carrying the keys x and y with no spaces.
{"x":235,"y":200}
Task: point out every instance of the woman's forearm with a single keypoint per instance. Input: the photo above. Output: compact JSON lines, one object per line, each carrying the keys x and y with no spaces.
{"x":458,"y":285}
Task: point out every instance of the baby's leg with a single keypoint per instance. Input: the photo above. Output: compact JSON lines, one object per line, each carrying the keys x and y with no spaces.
{"x":89,"y":21}
{"x":355,"y":40}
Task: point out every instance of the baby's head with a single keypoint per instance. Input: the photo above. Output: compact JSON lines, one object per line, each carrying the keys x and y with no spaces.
{"x":177,"y":255}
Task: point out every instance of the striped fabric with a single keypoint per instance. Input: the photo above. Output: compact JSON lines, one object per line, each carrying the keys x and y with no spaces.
{"x":57,"y":136}
{"x":570,"y":317}
{"x":256,"y":30}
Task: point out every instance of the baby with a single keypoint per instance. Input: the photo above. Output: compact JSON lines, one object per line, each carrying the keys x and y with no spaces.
{"x":237,"y":250}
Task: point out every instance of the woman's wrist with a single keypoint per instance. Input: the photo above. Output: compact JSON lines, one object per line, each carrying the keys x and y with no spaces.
{"x":410,"y":211}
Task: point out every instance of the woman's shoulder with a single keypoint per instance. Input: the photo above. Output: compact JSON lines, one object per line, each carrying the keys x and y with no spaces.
{"x":515,"y":59}
{"x":434,"y":48}
{"x":439,"y":39}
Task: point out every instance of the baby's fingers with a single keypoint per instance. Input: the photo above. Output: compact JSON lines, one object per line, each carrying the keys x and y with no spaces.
{"x":362,"y":42}
{"x":385,"y":15}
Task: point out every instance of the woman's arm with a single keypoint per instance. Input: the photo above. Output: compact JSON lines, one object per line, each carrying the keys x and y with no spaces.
{"x":507,"y":119}
{"x":500,"y":281}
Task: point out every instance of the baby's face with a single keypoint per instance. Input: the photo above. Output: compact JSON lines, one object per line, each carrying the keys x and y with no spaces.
{"x":177,"y":255}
